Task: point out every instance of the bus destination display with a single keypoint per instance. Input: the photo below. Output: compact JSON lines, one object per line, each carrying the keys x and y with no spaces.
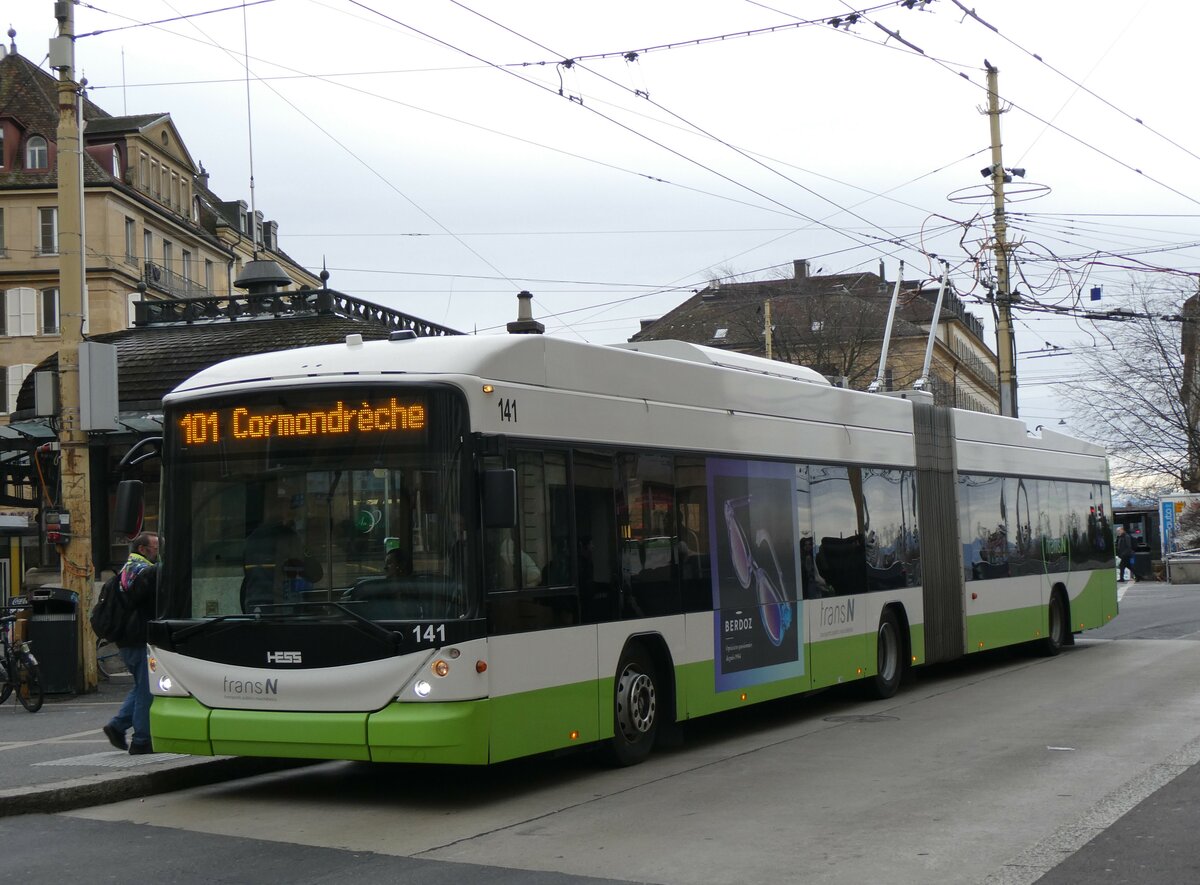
{"x":247,"y":423}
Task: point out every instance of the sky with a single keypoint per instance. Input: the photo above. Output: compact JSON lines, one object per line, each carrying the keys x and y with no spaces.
{"x":438,"y":157}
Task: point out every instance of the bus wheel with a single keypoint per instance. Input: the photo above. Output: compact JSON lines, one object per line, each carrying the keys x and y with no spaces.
{"x":635,"y":707}
{"x":1056,"y":636}
{"x":889,"y":650}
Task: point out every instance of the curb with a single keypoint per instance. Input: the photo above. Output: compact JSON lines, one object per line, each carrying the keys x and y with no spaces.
{"x":102,"y":789}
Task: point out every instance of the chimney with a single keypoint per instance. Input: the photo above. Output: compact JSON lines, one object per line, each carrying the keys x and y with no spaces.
{"x":800,"y":266}
{"x":525,"y":324}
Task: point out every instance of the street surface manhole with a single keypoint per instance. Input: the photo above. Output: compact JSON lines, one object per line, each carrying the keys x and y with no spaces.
{"x":867,"y":717}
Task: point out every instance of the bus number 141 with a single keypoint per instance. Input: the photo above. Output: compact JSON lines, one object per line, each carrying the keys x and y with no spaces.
{"x":430,"y":633}
{"x":508,"y":410}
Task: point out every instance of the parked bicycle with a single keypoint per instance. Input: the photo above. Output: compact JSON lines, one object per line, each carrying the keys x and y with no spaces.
{"x":20,"y":669}
{"x":108,"y":660}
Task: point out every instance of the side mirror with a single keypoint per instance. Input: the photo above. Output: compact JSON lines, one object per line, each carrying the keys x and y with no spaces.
{"x":500,"y":499}
{"x":127,"y":515}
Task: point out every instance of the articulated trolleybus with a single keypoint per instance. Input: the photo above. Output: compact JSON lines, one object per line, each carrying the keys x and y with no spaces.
{"x":470,"y":549}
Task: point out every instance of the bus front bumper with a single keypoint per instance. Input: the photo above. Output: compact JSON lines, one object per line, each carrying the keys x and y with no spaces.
{"x":450,"y":733}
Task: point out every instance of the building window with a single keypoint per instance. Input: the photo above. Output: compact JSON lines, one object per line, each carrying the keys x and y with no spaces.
{"x":208,"y":274}
{"x":143,"y":171}
{"x":3,"y":252}
{"x":2,"y":164}
{"x":37,"y":153}
{"x":148,"y":245}
{"x":196,"y":209}
{"x":720,"y":334}
{"x":130,"y":238}
{"x":187,"y":266}
{"x":175,"y":191}
{"x":50,"y":312}
{"x":154,"y":180}
{"x":168,"y":255}
{"x":116,"y":162}
{"x":48,"y":230}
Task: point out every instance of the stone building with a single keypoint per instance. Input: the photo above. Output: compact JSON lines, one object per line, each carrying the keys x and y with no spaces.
{"x":835,"y":325}
{"x":150,"y":217}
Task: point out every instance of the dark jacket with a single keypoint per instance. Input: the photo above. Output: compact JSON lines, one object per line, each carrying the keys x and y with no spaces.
{"x":141,"y":596}
{"x":1124,"y":546}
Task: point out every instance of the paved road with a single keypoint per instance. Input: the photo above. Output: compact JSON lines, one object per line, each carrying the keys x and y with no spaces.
{"x":1003,"y":769}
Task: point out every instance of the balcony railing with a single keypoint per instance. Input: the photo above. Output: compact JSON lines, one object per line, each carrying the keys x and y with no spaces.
{"x":158,"y":277}
{"x":302,"y":302}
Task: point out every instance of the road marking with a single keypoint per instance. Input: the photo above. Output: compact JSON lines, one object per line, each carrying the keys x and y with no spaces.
{"x":114,"y":759}
{"x":17,"y":745}
{"x":1039,"y":859}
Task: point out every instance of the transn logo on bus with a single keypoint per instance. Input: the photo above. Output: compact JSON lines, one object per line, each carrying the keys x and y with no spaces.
{"x":283,"y":657}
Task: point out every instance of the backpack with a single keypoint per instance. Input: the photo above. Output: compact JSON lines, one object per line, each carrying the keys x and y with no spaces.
{"x":110,"y":615}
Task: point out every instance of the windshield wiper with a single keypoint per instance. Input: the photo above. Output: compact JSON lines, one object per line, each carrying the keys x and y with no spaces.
{"x":190,"y":630}
{"x":378,"y":630}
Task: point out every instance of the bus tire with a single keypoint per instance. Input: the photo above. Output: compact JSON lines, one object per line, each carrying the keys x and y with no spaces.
{"x":889,"y":651}
{"x":1056,"y":634}
{"x":636,"y":698}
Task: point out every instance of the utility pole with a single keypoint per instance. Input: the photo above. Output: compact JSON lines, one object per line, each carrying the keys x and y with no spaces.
{"x":767,"y":328}
{"x":1006,"y":348}
{"x":75,"y":467}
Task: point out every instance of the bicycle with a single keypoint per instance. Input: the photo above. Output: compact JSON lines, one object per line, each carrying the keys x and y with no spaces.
{"x":108,"y":660}
{"x":20,"y":669}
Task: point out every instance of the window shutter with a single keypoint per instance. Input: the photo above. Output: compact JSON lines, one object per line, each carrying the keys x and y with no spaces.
{"x":20,"y":312}
{"x":16,"y":375}
{"x":27,"y":311}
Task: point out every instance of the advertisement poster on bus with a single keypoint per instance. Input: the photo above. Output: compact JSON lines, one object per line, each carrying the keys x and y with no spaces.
{"x":757,"y":625}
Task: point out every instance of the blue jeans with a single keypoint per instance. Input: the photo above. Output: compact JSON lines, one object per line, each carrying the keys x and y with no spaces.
{"x":135,"y":709}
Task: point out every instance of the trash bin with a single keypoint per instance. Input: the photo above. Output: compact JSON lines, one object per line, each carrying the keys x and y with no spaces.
{"x":54,"y":633}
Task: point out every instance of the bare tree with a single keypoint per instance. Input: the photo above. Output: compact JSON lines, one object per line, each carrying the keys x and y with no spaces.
{"x":836,"y":335}
{"x":1131,"y":397}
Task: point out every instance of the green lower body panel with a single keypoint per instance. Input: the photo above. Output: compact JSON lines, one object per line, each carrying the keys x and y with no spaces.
{"x":548,"y":719}
{"x":450,"y":733}
{"x":180,"y":725}
{"x":293,"y":735}
{"x":1011,"y":627}
{"x":835,"y":661}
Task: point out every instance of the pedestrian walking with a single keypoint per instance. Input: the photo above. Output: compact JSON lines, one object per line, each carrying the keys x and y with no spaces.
{"x":1124,"y":554}
{"x":138,"y":579}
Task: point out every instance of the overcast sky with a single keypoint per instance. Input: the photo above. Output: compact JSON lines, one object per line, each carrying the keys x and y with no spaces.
{"x":438,"y":158}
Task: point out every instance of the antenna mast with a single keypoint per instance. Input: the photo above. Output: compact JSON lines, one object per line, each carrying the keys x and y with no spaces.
{"x":249,"y":130}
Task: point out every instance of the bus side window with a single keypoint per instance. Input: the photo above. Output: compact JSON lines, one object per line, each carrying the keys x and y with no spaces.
{"x":691,"y":548}
{"x":531,"y":560}
{"x":596,"y":534}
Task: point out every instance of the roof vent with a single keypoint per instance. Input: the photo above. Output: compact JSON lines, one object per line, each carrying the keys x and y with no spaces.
{"x":354,"y":340}
{"x":402,"y":335}
{"x":525,"y":324}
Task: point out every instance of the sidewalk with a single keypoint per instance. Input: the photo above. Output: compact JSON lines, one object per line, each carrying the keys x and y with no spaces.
{"x":58,"y":759}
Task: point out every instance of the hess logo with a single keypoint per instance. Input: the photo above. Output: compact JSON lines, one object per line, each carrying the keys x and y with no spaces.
{"x":283,"y":657}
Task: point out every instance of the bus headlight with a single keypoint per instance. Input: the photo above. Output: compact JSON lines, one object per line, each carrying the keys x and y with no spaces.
{"x":422,"y":689}
{"x":162,"y":683}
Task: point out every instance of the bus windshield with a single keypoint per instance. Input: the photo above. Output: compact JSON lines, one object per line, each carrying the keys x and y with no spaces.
{"x":300,"y":502}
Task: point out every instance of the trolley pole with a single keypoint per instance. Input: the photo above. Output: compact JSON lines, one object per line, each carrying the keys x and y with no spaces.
{"x":75,"y":469}
{"x":1006,"y":349}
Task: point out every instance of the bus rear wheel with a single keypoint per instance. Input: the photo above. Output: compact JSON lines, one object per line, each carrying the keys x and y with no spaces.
{"x":635,"y":707}
{"x":889,"y":651}
{"x":1056,"y":635}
